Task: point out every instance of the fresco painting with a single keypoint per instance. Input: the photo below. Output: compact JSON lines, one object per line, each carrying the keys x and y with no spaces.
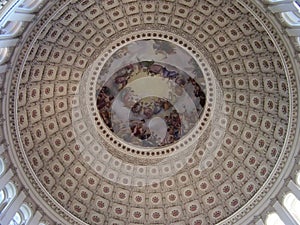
{"x":153,"y":102}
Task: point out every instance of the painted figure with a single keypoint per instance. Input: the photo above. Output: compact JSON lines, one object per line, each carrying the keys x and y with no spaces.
{"x":155,"y":69}
{"x":169,"y":74}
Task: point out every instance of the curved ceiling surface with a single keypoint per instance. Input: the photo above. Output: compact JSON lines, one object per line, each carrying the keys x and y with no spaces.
{"x":156,"y":112}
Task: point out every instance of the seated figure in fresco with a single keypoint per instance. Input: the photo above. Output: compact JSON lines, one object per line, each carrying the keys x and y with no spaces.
{"x":106,"y":116}
{"x":155,"y":69}
{"x":100,"y":101}
{"x":180,"y":81}
{"x":137,"y":108}
{"x":104,"y":97}
{"x":146,"y":134}
{"x":200,"y":94}
{"x":123,"y":75}
{"x":122,"y":81}
{"x":104,"y":102}
{"x":157,"y":107}
{"x":139,"y":129}
{"x":148,"y":112}
{"x":168,"y":120}
{"x":176,"y":122}
{"x":166,"y":105}
{"x":169,"y":138}
{"x":169,"y":73}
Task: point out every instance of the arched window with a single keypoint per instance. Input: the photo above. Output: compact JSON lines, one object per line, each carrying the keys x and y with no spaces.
{"x":274,"y":219}
{"x":22,"y":216}
{"x":2,"y":196}
{"x":11,"y":29}
{"x":298,"y":179}
{"x":7,"y":194}
{"x":297,"y":6}
{"x":16,"y":220}
{"x":291,"y":18}
{"x":3,"y":55}
{"x":2,"y":167}
{"x":30,"y":5}
{"x":275,"y":1}
{"x":3,"y":3}
{"x":292,"y":204}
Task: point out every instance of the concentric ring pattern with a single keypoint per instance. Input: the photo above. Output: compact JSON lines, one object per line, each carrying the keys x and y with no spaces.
{"x":218,"y":172}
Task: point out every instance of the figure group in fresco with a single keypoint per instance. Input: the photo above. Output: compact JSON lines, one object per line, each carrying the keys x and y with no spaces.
{"x":104,"y":102}
{"x":123,"y":76}
{"x":144,"y":110}
{"x":141,"y":111}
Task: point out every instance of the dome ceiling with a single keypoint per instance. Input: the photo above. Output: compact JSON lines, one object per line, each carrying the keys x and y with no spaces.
{"x":156,"y":112}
